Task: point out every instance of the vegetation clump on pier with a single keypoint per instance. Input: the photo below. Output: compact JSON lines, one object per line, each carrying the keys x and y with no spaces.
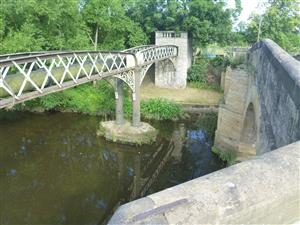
{"x":227,"y":156}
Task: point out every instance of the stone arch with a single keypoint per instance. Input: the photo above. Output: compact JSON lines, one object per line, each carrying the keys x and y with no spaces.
{"x":165,"y":73}
{"x":248,"y":139}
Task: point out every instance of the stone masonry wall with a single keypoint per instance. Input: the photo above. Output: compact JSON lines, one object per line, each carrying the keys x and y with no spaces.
{"x":176,"y":78}
{"x":277,"y":77}
{"x":270,"y":84}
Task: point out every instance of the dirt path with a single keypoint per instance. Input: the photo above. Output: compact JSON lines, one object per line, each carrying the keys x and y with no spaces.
{"x":188,"y":95}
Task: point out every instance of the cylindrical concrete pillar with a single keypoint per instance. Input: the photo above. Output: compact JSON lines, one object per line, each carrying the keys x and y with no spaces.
{"x":119,"y":102}
{"x":136,"y":99}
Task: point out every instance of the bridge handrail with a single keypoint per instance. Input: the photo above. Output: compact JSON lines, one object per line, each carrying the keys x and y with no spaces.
{"x":137,"y":49}
{"x":152,"y":54}
{"x":34,"y":75}
{"x":158,"y":46}
{"x":35,"y":53}
{"x":24,"y":54}
{"x":32,"y":58}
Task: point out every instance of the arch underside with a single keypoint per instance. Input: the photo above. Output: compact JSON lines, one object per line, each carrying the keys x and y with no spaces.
{"x":165,"y":73}
{"x":248,"y":140}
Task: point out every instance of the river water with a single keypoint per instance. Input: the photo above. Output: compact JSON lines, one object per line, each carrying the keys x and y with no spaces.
{"x":55,"y":170}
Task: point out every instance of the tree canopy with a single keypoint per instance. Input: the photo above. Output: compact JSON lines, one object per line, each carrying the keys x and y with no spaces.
{"x":208,"y":21}
{"x":41,"y":25}
{"x":110,"y":26}
{"x":34,"y":25}
{"x":280,"y":22}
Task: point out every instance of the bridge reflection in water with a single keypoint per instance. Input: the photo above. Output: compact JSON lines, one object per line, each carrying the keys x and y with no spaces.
{"x":62,"y":173}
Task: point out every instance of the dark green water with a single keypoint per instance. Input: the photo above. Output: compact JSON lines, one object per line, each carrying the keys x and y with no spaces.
{"x":55,"y":170}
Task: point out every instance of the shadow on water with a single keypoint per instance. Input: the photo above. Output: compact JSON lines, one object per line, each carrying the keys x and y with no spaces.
{"x":55,"y":170}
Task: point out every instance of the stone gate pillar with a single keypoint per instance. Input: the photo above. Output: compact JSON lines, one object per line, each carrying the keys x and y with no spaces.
{"x":168,"y":75}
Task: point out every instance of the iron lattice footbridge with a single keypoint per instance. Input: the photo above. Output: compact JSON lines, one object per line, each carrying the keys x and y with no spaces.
{"x":24,"y":76}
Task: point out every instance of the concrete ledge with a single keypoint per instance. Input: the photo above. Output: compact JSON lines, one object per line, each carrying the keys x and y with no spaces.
{"x":127,"y":134}
{"x":198,"y":108}
{"x":263,"y":190}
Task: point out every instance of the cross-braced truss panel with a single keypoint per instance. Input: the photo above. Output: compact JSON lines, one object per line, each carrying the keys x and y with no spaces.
{"x":36,"y":74}
{"x":158,"y":53}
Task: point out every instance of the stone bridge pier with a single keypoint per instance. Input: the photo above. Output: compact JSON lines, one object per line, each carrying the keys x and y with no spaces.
{"x":170,"y":72}
{"x":120,"y":130}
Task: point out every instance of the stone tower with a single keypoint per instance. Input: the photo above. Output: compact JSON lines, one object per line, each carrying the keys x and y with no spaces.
{"x":173,"y":73}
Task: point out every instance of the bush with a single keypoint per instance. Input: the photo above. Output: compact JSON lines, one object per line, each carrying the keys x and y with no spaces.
{"x":197,"y":73}
{"x":86,"y":98}
{"x":220,"y":61}
{"x":99,"y":100}
{"x":237,"y":61}
{"x":89,"y":99}
{"x":160,"y":109}
{"x":206,"y":73}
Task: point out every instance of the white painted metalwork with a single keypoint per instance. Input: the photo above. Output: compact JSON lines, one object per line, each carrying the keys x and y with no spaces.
{"x":25,"y":76}
{"x":128,"y":77}
{"x":156,"y":53}
{"x":138,"y":48}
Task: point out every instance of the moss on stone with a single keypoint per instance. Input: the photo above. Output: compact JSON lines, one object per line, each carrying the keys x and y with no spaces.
{"x":227,"y":156}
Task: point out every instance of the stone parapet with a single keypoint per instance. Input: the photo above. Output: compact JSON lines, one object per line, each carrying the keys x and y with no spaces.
{"x":263,"y":190}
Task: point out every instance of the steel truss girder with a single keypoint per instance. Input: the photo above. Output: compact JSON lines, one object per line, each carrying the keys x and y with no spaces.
{"x":25,"y":76}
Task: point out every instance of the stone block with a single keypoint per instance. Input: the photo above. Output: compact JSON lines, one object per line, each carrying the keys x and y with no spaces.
{"x":263,"y":190}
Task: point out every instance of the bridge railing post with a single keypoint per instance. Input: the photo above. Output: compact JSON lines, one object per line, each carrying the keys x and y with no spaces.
{"x":119,"y":95}
{"x":136,"y":99}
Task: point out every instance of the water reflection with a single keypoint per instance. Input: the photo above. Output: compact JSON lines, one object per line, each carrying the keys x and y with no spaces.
{"x":55,"y":170}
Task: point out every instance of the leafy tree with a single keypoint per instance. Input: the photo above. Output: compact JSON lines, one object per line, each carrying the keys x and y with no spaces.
{"x":109,"y":26}
{"x":280,"y":22}
{"x":238,"y":9}
{"x":207,"y":20}
{"x":238,"y":36}
{"x":41,"y":25}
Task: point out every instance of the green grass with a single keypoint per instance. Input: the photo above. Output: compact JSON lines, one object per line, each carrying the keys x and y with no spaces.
{"x":204,"y":86}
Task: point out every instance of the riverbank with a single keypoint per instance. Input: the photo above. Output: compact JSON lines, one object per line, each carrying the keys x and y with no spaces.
{"x":189,"y":95}
{"x":157,"y":103}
